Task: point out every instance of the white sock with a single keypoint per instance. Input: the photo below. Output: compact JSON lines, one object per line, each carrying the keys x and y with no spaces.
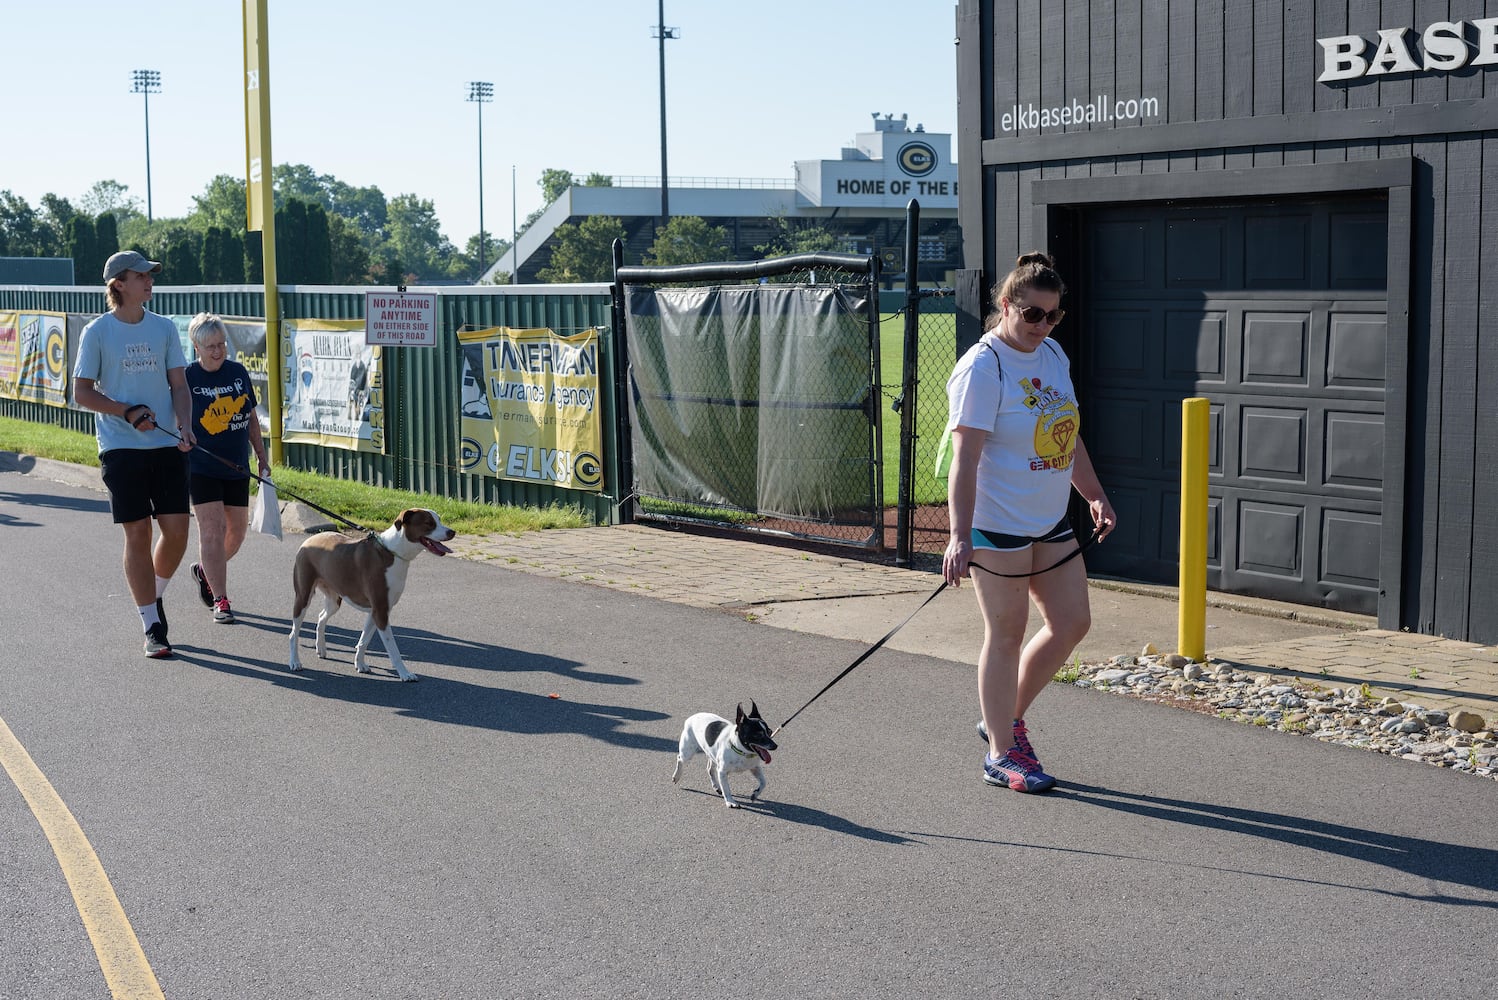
{"x":161,"y":582}
{"x":148,"y":615}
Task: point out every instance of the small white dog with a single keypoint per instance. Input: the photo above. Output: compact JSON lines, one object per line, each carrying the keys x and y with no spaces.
{"x":741,"y":745}
{"x":369,"y":574}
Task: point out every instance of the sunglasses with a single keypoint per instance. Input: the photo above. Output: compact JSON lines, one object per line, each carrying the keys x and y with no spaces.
{"x":1034,"y":314}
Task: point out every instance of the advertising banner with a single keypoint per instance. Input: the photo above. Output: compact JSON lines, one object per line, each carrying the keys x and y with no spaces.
{"x":39,"y":369}
{"x":335,"y":388}
{"x":530,"y":407}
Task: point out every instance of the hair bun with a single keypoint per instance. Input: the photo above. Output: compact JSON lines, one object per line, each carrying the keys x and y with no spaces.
{"x":1035,"y":257}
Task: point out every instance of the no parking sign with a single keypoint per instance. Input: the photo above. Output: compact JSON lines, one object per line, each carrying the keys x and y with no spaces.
{"x":400,"y":319}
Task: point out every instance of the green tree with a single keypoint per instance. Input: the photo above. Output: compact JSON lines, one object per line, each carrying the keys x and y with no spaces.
{"x":110,"y":197}
{"x":687,"y":239}
{"x":319,"y":247}
{"x":596,"y":180}
{"x":553,"y":182}
{"x":221,"y":204}
{"x":348,"y":259}
{"x":83,"y":247}
{"x":223,"y":258}
{"x":792,"y":238}
{"x":20,"y":227}
{"x":180,"y":258}
{"x":415,"y":237}
{"x":584,"y":252}
{"x":57,"y":212}
{"x":291,"y":242}
{"x":106,"y":235}
{"x":254,"y":257}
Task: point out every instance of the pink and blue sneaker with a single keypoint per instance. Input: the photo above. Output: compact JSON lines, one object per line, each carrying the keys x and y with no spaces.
{"x":1019,"y":772}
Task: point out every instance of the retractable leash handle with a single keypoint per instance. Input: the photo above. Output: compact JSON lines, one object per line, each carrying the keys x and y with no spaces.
{"x":266,"y":482}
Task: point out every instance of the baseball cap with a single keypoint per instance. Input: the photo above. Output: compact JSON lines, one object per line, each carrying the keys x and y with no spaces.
{"x":128,"y":260}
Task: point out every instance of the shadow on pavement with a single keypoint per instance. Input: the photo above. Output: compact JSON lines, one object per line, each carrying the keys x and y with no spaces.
{"x":87,"y":504}
{"x":1456,"y":863}
{"x":441,"y":699}
{"x":804,"y":815}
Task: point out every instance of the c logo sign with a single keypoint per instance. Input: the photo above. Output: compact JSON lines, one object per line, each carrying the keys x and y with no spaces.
{"x":587,"y":471}
{"x":470,"y":453}
{"x":916,"y":158}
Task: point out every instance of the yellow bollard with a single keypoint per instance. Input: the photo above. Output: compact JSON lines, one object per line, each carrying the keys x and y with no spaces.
{"x":1191,"y":628}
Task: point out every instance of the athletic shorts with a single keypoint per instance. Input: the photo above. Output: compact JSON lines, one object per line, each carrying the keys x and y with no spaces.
{"x":211,"y":489}
{"x":999,"y":542}
{"x":144,"y":482}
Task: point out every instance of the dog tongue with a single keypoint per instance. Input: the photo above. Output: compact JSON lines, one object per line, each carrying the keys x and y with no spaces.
{"x":764,"y":754}
{"x":435,"y":547}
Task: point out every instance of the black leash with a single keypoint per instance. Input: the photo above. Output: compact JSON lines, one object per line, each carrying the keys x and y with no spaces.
{"x":866,"y":654}
{"x":266,"y":482}
{"x":1092,"y":539}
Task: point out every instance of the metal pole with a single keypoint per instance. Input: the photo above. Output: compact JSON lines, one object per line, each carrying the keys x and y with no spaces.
{"x":514,"y":232}
{"x":904,"y":502}
{"x":146,"y":83}
{"x":663,"y":33}
{"x":481,"y":93}
{"x":1191,"y":625}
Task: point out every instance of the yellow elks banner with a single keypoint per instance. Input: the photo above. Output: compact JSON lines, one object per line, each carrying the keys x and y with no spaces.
{"x":530,"y":407}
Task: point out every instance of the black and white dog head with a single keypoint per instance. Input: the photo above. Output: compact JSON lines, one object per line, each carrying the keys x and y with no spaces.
{"x":753,"y":732}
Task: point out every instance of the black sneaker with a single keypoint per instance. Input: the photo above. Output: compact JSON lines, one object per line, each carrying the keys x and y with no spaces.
{"x":157,"y":648}
{"x":205,"y":592}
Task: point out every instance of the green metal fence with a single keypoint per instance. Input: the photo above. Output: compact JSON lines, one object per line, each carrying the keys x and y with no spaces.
{"x":421,"y":383}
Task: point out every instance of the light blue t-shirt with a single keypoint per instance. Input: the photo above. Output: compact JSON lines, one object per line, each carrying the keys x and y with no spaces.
{"x":128,"y":363}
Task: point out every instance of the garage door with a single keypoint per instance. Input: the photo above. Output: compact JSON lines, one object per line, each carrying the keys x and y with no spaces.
{"x":1274,"y":311}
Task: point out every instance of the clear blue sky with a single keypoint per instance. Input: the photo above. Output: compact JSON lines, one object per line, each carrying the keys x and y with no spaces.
{"x":374,"y":92}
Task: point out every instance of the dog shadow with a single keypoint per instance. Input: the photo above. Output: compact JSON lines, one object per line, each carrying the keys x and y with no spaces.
{"x":807,"y":816}
{"x":442,"y":699}
{"x":1474,"y":867}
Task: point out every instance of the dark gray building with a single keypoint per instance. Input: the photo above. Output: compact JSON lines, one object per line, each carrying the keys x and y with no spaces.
{"x":1286,"y":206}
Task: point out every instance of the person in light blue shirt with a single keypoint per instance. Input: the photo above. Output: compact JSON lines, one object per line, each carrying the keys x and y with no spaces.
{"x":130,"y":372}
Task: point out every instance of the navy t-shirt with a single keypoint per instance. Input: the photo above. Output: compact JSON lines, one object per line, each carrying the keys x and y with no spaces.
{"x":223,"y":404}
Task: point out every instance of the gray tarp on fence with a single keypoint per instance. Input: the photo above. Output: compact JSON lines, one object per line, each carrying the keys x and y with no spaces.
{"x":756,"y":398}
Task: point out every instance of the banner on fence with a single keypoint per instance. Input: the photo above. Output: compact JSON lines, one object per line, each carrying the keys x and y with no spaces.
{"x":34,"y":357}
{"x":335,"y":387}
{"x":529,"y":409}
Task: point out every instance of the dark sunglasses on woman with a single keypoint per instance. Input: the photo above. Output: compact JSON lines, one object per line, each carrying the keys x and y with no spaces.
{"x":1034,"y":314}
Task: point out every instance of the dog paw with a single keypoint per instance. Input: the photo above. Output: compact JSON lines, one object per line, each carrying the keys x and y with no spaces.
{"x":294,"y":666}
{"x":734,"y":805}
{"x":408,"y":678}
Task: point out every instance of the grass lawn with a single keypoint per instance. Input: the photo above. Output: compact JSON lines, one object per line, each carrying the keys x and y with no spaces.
{"x":938,"y":336}
{"x":372,"y":506}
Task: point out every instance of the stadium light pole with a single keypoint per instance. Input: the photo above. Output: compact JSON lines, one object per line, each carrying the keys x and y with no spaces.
{"x":662,"y":32}
{"x":146,"y":83}
{"x":514,"y":232}
{"x":481,"y":93}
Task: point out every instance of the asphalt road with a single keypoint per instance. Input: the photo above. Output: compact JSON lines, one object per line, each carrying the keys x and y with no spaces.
{"x":330,"y":835}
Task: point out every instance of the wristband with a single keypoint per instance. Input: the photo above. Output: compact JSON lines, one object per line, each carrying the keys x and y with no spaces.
{"x":138,"y":420}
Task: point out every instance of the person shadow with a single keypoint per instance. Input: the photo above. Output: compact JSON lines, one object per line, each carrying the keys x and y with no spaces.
{"x":1457,"y":864}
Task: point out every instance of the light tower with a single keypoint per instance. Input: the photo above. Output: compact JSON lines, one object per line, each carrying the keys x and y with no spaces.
{"x":146,"y":83}
{"x":481,"y":93}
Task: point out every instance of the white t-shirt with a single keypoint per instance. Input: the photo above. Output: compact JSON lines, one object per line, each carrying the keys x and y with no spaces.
{"x":128,"y":363}
{"x":1032,"y":420}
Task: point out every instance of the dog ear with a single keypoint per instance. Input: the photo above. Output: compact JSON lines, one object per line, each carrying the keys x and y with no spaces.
{"x":739,"y":719}
{"x":753,"y":710}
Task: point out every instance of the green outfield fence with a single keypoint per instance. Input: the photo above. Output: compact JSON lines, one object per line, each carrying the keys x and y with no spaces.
{"x":423,"y":391}
{"x":422,"y":384}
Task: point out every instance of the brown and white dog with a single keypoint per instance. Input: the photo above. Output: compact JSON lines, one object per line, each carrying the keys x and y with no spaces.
{"x":367,"y":573}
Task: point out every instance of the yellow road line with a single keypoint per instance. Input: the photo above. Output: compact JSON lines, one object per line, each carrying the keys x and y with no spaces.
{"x":124,"y":964}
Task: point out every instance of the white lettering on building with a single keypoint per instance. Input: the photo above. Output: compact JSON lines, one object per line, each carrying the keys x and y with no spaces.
{"x":1443,"y":48}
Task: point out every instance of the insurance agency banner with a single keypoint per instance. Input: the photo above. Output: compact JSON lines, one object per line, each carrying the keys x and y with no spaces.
{"x":530,"y":407}
{"x":335,"y":388}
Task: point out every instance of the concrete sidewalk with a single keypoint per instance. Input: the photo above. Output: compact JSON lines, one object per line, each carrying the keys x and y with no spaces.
{"x":860,"y":601}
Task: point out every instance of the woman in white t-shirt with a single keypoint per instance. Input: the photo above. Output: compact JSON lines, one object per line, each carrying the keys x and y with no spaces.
{"x":1016,"y":457}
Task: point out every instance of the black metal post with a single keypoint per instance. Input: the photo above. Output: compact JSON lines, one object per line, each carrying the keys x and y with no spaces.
{"x":623,"y":447}
{"x":908,"y":383}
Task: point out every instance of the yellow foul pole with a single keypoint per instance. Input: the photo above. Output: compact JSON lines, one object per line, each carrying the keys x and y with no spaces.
{"x":260,"y":210}
{"x":1191,"y":626}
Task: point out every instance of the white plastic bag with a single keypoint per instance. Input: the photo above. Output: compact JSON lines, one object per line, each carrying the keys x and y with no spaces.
{"x":266,"y":515}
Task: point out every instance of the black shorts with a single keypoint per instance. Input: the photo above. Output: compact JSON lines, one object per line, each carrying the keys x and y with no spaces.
{"x":211,"y":489}
{"x":144,"y":482}
{"x":1000,"y":542}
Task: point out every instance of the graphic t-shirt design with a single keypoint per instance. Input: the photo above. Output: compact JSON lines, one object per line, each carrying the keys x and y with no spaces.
{"x":1056,"y":424}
